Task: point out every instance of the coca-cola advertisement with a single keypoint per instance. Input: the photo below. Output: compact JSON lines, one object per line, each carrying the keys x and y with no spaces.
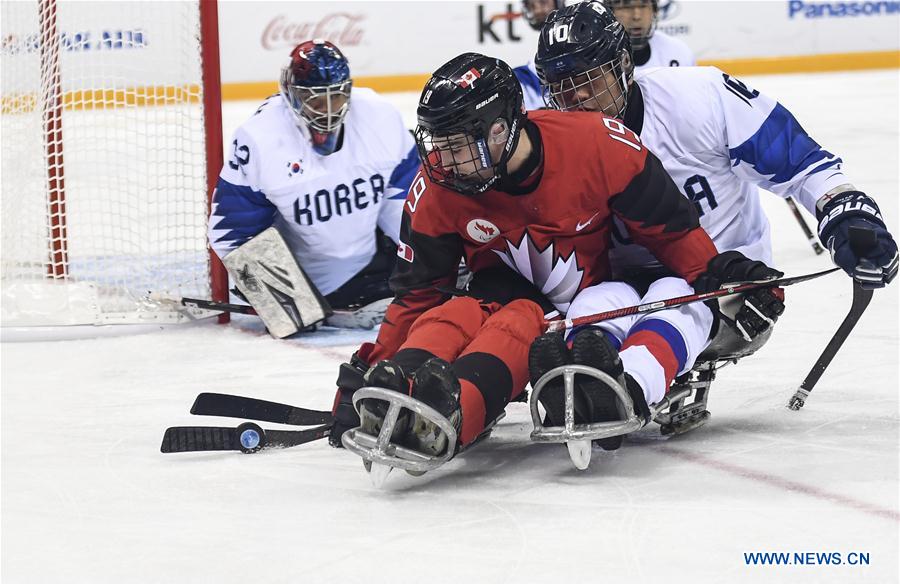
{"x":381,"y":39}
{"x":344,"y":29}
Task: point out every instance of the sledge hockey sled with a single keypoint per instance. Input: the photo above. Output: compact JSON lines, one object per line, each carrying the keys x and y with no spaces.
{"x":682,"y":409}
{"x":380,"y":454}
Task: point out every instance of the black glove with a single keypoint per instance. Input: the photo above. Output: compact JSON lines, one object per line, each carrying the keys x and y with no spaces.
{"x":350,"y":379}
{"x":872,"y":267}
{"x":760,"y":308}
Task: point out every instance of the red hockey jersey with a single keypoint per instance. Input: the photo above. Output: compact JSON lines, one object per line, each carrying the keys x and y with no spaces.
{"x":558,"y":235}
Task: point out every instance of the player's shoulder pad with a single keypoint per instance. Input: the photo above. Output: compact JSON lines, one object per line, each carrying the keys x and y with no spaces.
{"x":243,"y":154}
{"x":579,"y":123}
{"x":674,"y":42}
{"x":364,"y":98}
{"x":381,"y":119}
{"x":269,"y":113}
{"x":689,"y":89}
{"x":270,"y":120}
{"x":588,"y":132}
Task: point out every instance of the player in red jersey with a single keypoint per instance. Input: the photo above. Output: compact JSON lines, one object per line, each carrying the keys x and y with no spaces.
{"x":536,"y":194}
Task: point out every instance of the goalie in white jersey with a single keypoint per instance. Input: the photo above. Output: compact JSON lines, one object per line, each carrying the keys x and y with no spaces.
{"x":650,"y":47}
{"x":328,"y":169}
{"x":719,"y":140}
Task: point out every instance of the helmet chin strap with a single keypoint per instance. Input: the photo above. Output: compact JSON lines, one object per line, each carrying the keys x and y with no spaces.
{"x":510,"y":135}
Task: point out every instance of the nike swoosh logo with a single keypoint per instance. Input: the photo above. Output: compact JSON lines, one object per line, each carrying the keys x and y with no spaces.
{"x":580,"y":226}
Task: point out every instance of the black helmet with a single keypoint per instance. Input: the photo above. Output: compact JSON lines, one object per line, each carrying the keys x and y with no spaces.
{"x":535,"y":20}
{"x":580,"y":49}
{"x":639,"y":39}
{"x":470,"y":102}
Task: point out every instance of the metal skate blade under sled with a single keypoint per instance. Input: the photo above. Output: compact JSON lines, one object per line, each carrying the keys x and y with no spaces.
{"x":381,"y":451}
{"x":578,"y":437}
{"x":683,"y":416}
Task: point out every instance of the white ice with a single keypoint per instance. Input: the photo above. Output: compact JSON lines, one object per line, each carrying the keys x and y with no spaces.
{"x":88,"y":497}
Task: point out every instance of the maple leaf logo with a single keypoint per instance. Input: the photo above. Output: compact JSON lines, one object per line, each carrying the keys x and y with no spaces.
{"x":557,"y":278}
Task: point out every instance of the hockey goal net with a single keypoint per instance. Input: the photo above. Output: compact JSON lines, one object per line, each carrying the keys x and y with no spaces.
{"x":111,"y":143}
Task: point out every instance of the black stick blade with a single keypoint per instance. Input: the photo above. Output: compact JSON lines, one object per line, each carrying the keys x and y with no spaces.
{"x":247,"y":438}
{"x":213,"y":404}
{"x":185,"y":439}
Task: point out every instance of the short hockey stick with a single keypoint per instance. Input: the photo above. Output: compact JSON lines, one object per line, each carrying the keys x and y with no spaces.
{"x":860,"y":240}
{"x":218,"y":306}
{"x":214,"y":404}
{"x":247,"y":438}
{"x":653,"y":307}
{"x":813,"y":241}
{"x":343,"y":318}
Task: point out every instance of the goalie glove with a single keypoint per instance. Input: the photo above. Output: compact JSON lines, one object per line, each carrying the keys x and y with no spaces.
{"x":874,"y":267}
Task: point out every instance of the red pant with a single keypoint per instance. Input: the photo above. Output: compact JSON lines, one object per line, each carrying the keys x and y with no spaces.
{"x":487,"y":345}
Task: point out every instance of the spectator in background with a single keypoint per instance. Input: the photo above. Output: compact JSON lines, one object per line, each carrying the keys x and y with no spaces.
{"x":535,"y":13}
{"x":651,"y":48}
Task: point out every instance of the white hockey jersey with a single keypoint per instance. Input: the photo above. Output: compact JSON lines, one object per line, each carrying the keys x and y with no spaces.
{"x":720,"y":140}
{"x":531,"y":86}
{"x":326,"y":207}
{"x":665,"y":51}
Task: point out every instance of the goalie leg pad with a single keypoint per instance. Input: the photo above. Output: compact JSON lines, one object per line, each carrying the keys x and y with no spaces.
{"x":266,"y":272}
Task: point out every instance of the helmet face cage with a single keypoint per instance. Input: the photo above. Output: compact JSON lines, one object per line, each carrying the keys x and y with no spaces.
{"x":591,"y":90}
{"x":638,"y":40}
{"x":316,"y":85}
{"x":323,"y":107}
{"x":460,"y":161}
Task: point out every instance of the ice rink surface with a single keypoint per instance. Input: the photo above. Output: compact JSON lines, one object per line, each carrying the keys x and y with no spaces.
{"x":88,"y":497}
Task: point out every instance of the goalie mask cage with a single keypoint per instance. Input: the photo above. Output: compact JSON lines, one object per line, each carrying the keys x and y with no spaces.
{"x":111,"y":147}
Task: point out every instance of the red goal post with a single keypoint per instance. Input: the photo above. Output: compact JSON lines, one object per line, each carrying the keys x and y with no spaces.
{"x":112,"y":144}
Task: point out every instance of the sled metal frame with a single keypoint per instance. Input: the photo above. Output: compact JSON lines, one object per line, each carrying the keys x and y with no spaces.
{"x":579,"y":432}
{"x":380,"y":448}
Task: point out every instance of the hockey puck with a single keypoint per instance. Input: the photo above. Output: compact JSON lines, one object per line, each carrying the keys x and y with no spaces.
{"x":251,"y":437}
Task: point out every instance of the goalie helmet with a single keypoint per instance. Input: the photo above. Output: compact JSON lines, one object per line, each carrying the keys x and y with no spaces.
{"x":537,"y":11}
{"x":316,"y":84}
{"x":584,"y":60}
{"x":626,"y":13}
{"x":470,"y":115}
